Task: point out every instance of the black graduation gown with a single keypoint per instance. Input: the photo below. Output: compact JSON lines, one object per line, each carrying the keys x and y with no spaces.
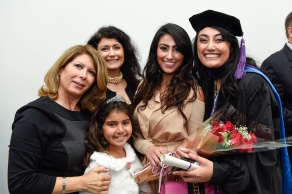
{"x":253,"y":173}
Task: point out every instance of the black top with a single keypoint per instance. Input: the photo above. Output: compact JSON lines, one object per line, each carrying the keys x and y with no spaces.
{"x":260,"y":172}
{"x":46,"y":142}
{"x":130,"y":90}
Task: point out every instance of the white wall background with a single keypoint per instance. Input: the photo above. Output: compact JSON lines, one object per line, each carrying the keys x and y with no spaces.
{"x":34,"y":33}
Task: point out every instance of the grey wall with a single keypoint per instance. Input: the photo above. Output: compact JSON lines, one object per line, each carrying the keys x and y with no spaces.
{"x":34,"y":33}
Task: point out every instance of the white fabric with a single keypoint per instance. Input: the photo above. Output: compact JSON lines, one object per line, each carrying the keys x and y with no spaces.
{"x":122,"y":181}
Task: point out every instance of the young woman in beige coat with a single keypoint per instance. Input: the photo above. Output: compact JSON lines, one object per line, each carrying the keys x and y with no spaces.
{"x":169,"y":104}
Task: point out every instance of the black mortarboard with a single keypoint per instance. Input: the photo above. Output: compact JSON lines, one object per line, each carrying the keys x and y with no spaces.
{"x":211,"y":18}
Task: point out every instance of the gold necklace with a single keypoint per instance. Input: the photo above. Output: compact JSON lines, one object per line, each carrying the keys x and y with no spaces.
{"x":115,"y":80}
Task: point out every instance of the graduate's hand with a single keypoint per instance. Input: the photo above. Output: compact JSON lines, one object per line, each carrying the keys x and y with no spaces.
{"x":201,"y":174}
{"x":153,"y":154}
{"x":96,"y":181}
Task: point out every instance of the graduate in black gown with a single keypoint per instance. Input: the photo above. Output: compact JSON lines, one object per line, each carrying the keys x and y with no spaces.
{"x":220,"y":68}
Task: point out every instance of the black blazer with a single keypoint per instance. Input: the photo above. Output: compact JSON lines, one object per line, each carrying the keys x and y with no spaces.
{"x":278,"y":67}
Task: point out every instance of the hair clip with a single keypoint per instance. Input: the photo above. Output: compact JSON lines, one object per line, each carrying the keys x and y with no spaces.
{"x":116,"y":99}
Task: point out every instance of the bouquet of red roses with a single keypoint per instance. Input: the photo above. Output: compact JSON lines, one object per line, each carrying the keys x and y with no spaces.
{"x":223,"y":133}
{"x":233,"y":136}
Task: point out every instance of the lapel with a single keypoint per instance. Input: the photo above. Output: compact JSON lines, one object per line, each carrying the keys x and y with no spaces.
{"x":153,"y":112}
{"x":288,"y":52}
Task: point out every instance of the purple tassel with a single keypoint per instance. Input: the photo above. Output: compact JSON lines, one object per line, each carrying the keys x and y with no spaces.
{"x":239,"y":73}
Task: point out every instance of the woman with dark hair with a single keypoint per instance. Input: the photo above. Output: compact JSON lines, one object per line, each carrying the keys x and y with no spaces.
{"x":228,"y":77}
{"x":169,"y":104}
{"x":120,"y":55}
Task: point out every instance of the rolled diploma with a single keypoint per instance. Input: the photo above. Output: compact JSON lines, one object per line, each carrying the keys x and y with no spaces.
{"x":173,"y":161}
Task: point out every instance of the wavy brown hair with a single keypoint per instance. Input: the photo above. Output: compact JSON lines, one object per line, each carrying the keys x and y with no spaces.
{"x":182,"y":82}
{"x":95,"y":95}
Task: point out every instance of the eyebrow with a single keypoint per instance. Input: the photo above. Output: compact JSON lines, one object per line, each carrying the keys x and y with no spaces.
{"x":79,"y":62}
{"x":117,"y":121}
{"x":93,"y":69}
{"x":205,"y":35}
{"x":164,"y":44}
{"x":112,"y":121}
{"x":106,"y":45}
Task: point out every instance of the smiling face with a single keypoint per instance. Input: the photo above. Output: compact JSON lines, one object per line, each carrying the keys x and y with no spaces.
{"x":77,"y":77}
{"x":117,"y":129}
{"x":168,"y":56}
{"x":213,"y":49}
{"x":112,"y":52}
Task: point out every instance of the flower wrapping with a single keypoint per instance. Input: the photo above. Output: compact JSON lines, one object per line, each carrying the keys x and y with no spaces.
{"x":149,"y":173}
{"x":223,"y":133}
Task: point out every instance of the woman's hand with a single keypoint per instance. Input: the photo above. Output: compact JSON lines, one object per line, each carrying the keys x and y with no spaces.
{"x":201,"y":174}
{"x":153,"y":154}
{"x":95,"y":181}
{"x":183,"y":152}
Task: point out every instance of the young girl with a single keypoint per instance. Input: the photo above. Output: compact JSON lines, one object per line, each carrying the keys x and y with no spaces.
{"x":108,"y":142}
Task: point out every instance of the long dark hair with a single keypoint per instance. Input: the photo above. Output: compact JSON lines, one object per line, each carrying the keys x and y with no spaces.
{"x":228,"y":82}
{"x":131,"y":68}
{"x":182,"y":82}
{"x":94,"y":138}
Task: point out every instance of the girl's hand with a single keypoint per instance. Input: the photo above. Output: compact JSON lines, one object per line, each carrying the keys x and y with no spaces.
{"x":153,"y":154}
{"x":95,"y":181}
{"x":201,"y":174}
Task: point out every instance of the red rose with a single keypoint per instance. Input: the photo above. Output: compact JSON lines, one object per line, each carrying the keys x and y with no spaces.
{"x":230,"y":136}
{"x":228,"y":127}
{"x":249,"y":142}
{"x":215,"y":128}
{"x":236,"y":138}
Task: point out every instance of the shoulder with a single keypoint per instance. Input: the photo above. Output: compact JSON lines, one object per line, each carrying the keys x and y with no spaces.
{"x":275,"y":58}
{"x":200,"y":94}
{"x":98,"y":156}
{"x":252,"y":81}
{"x":252,"y":77}
{"x":37,"y":110}
{"x":41,"y":104}
{"x":97,"y":159}
{"x":34,"y":124}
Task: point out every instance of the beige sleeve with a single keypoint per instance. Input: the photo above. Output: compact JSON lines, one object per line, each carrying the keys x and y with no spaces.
{"x":140,"y":143}
{"x":197,"y":116}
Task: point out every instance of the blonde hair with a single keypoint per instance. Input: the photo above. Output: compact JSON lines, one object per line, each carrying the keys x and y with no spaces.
{"x":95,"y":95}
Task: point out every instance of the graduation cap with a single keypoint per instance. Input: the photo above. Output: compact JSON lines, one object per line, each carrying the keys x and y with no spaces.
{"x":210,"y":18}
